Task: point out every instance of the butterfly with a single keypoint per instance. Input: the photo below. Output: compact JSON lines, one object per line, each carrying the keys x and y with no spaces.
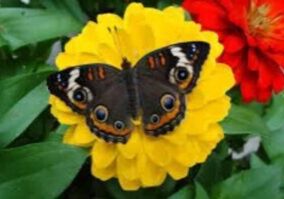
{"x":153,"y":90}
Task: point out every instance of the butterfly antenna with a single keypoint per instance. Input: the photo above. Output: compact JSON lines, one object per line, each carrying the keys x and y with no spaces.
{"x":117,"y":41}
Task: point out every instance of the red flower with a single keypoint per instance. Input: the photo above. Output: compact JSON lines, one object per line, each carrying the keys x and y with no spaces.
{"x":252,"y":32}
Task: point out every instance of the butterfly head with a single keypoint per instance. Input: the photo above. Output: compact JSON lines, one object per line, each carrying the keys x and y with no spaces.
{"x":125,"y":64}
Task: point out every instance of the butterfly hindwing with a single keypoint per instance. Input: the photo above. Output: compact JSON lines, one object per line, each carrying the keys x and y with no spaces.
{"x":165,"y":76}
{"x":89,"y":91}
{"x":114,"y":103}
{"x":163,"y":106}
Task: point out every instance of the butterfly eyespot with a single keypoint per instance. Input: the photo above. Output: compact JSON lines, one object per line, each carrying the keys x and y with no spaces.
{"x":168,"y":102}
{"x":101,"y":113}
{"x":181,"y":74}
{"x":119,"y":125}
{"x":80,"y":95}
{"x":155,"y":119}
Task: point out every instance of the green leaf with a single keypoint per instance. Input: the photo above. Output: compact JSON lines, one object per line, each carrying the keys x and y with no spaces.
{"x":2,"y":42}
{"x":14,"y":88}
{"x":260,"y":183}
{"x":274,"y":144}
{"x":243,"y":120}
{"x":22,"y":26}
{"x":256,"y":162}
{"x":200,"y":192}
{"x":214,"y":170}
{"x":186,"y":192}
{"x":38,"y":170}
{"x":275,"y":113}
{"x":57,"y":135}
{"x":20,"y":116}
{"x":162,"y":4}
{"x":274,"y":148}
{"x":72,"y":7}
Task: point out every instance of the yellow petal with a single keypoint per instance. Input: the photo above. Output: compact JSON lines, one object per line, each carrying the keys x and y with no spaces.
{"x":220,"y":80}
{"x":150,"y":174}
{"x":79,"y":135}
{"x":66,"y":118}
{"x":175,"y":13}
{"x":103,"y":173}
{"x":129,"y":185}
{"x":132,"y":147}
{"x":216,"y":47}
{"x":190,"y":31}
{"x":109,"y":21}
{"x":133,"y":14}
{"x":82,"y":135}
{"x":142,"y":39}
{"x":188,"y":154}
{"x":65,"y":60}
{"x":177,"y":137}
{"x":214,"y":134}
{"x":208,"y":141}
{"x":162,"y":31}
{"x":176,"y":170}
{"x":103,"y":154}
{"x":158,"y":150}
{"x":109,"y":56}
{"x":127,"y":168}
{"x":68,"y":135}
{"x":197,"y":121}
{"x":60,"y":105}
{"x":71,"y":46}
{"x":125,"y":46}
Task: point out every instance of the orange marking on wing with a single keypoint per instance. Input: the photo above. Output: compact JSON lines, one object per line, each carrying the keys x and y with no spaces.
{"x":185,"y":84}
{"x":101,"y":72}
{"x":80,"y":105}
{"x":108,"y":128}
{"x":151,"y":62}
{"x":165,"y":118}
{"x":90,"y":74}
{"x":162,"y":59}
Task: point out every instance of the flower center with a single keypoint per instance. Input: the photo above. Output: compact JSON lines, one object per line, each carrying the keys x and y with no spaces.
{"x":259,"y":20}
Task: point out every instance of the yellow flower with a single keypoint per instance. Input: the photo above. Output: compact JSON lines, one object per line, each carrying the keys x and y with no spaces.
{"x":145,"y":161}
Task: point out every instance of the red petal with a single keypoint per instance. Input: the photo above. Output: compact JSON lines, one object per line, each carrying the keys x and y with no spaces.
{"x":249,"y":88}
{"x":277,"y":57}
{"x":253,"y":59}
{"x":207,"y":12}
{"x":278,"y":83}
{"x":233,"y":42}
{"x":265,"y":77}
{"x":237,"y":11}
{"x":264,"y":95}
{"x":235,"y":60}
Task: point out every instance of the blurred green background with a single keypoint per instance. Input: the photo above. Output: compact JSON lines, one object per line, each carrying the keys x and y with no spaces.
{"x":34,"y":163}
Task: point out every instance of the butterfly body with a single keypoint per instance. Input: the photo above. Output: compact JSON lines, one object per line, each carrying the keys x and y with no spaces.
{"x":153,"y":90}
